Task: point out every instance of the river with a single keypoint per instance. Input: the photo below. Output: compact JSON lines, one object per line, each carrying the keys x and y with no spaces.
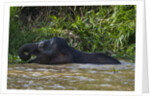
{"x":72,"y":77}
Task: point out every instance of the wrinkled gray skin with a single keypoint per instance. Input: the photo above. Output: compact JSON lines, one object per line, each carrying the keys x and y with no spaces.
{"x":57,"y":51}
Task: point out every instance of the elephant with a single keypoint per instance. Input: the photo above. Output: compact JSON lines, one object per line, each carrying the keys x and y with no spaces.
{"x":57,"y":51}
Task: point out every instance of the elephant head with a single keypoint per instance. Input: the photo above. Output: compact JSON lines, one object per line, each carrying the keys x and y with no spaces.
{"x":46,"y":47}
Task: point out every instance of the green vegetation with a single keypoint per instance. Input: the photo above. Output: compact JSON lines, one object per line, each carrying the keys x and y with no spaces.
{"x":107,"y":29}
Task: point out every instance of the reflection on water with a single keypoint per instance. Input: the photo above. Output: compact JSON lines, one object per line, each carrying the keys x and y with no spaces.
{"x":71,"y":77}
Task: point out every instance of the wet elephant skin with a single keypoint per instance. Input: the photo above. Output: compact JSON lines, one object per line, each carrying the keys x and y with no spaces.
{"x":57,"y":51}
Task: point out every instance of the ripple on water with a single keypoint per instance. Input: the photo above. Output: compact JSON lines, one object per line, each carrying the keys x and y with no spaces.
{"x":92,"y":71}
{"x":26,"y":76}
{"x":20,"y":68}
{"x":42,"y":69}
{"x":72,"y":76}
{"x":105,"y":85}
{"x":106,"y":72}
{"x":36,"y":74}
{"x":107,"y":79}
{"x":58,"y":86}
{"x":29,"y":69}
{"x":39,"y":88}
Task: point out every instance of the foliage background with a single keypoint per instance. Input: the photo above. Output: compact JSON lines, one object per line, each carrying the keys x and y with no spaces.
{"x":107,"y":29}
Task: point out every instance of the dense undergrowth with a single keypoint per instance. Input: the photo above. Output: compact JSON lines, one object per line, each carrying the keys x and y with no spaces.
{"x":107,"y":29}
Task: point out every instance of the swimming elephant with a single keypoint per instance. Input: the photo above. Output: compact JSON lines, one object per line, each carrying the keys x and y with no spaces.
{"x":57,"y":51}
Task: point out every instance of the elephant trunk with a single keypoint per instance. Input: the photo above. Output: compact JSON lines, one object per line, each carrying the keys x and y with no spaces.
{"x":26,"y":50}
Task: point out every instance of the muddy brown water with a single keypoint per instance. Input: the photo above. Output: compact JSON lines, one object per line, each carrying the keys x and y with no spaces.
{"x":71,"y":77}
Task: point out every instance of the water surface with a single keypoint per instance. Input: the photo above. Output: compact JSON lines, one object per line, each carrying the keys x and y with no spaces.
{"x":71,"y":77}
